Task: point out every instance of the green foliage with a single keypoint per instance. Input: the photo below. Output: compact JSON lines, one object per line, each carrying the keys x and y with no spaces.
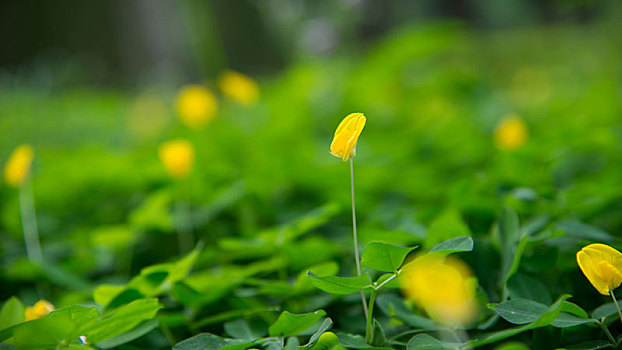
{"x":341,"y":285}
{"x":271,"y":209}
{"x":384,"y":257}
{"x":289,"y":324}
{"x":65,"y":326}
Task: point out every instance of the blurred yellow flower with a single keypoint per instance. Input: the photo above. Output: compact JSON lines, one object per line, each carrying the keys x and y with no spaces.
{"x":443,"y":286}
{"x":39,"y":310}
{"x":602,"y":265}
{"x":17,"y":167}
{"x":239,"y":87}
{"x":177,"y":156}
{"x":346,"y":136}
{"x":511,"y":133}
{"x":196,"y":106}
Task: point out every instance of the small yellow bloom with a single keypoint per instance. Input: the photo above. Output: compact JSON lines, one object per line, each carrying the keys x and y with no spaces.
{"x":239,"y":87}
{"x":511,"y":133}
{"x":346,"y":136}
{"x":17,"y":167}
{"x":39,"y":310}
{"x":196,"y":106}
{"x":177,"y":156}
{"x":443,"y":286}
{"x":602,"y":265}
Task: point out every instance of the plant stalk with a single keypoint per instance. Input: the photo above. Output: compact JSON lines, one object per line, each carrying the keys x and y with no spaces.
{"x":29,"y":223}
{"x":615,"y":301}
{"x":356,"y":243}
{"x":368,"y":329}
{"x":603,"y":326}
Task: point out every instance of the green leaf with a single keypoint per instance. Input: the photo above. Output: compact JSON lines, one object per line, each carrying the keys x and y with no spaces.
{"x":447,"y":225}
{"x":525,"y":287}
{"x":206,"y":341}
{"x":327,"y":341}
{"x":341,"y":285}
{"x":565,"y":320}
{"x":292,"y":343}
{"x":591,"y":345}
{"x":509,"y":233}
{"x":325,"y":326}
{"x":454,"y":245}
{"x":545,"y":319}
{"x":427,"y":342}
{"x":240,"y":329}
{"x":378,"y":335}
{"x":356,"y":342}
{"x":604,"y":310}
{"x":121,"y":320}
{"x":574,"y":309}
{"x":289,"y":324}
{"x":512,"y":346}
{"x":304,"y":283}
{"x":135,"y":333}
{"x":520,"y":311}
{"x":60,"y":326}
{"x":384,"y":257}
{"x":12,"y":313}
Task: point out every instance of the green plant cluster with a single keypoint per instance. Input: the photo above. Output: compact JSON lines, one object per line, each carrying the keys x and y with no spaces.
{"x":270,"y":208}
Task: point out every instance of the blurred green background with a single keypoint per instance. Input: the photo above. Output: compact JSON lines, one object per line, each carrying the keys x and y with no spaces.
{"x":92,"y":86}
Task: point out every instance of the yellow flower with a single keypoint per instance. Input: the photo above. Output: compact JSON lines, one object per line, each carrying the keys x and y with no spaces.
{"x":239,"y":87}
{"x":177,"y":156}
{"x":18,"y":166}
{"x":602,"y":265}
{"x":346,"y":136}
{"x":442,"y":286}
{"x":196,"y":106}
{"x":39,"y":310}
{"x":511,"y":133}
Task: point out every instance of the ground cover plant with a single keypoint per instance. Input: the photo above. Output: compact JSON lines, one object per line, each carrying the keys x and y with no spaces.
{"x":486,"y":179}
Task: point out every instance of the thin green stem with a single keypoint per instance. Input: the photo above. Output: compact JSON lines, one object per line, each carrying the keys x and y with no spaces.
{"x":387,"y":280}
{"x":29,"y":223}
{"x":603,"y":326}
{"x":356,"y":243}
{"x":368,"y":329}
{"x":616,"y":302}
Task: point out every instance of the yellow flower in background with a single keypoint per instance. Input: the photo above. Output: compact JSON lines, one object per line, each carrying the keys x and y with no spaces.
{"x":17,"y":168}
{"x":443,"y":286}
{"x":39,"y":310}
{"x":239,"y":87}
{"x":602,"y":265}
{"x":177,"y":156}
{"x":346,"y":136}
{"x":511,"y":133}
{"x":196,"y":106}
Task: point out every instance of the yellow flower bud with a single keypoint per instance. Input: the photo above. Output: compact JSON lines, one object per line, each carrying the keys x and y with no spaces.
{"x":17,"y":167}
{"x":196,"y":106}
{"x":239,"y":87}
{"x":442,"y":286}
{"x":511,"y":133}
{"x":346,"y":136}
{"x":39,"y":310}
{"x":602,"y":265}
{"x":177,"y":156}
